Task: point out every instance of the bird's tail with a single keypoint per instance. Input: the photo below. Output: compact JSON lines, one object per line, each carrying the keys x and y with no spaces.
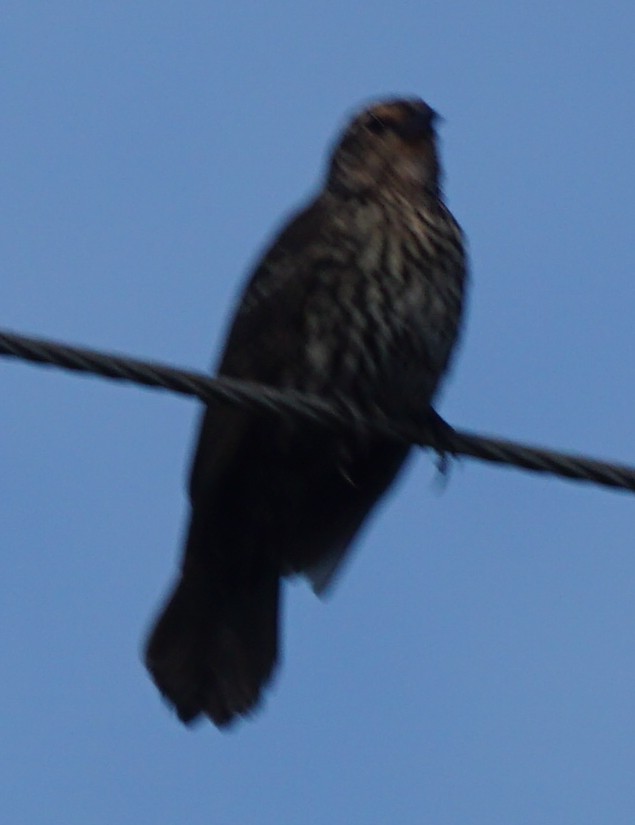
{"x":215,"y":644}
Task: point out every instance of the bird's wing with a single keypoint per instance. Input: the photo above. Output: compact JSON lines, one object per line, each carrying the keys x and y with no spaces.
{"x":266,"y":332}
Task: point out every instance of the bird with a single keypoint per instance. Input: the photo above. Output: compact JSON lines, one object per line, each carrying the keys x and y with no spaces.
{"x":359,"y":301}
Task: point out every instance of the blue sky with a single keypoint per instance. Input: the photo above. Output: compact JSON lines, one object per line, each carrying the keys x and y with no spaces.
{"x":476,"y":662}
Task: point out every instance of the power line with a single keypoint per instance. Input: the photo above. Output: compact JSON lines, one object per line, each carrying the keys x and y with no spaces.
{"x":436,"y":433}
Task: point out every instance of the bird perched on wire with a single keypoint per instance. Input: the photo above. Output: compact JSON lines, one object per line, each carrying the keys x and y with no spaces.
{"x":359,"y":300}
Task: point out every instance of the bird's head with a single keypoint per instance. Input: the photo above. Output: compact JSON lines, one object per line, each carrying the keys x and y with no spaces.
{"x":390,"y":145}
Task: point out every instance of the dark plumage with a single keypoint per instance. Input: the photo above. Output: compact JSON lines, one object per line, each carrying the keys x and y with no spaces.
{"x":359,"y":299}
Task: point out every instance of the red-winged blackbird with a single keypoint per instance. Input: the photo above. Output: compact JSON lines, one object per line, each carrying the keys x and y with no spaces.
{"x":359,"y":299}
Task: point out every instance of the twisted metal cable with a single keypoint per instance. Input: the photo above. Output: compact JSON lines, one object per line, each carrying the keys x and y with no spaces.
{"x":258,"y":397}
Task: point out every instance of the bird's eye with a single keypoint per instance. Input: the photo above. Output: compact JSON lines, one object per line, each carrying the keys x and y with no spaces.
{"x":377,"y":126}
